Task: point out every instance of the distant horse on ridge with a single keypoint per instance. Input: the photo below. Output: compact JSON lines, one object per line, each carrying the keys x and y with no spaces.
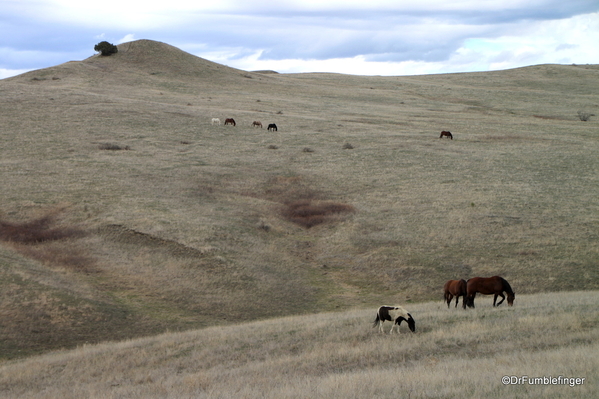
{"x":445,"y":133}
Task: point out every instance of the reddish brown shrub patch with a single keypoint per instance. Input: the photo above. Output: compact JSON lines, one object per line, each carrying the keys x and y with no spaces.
{"x":41,"y":239}
{"x":309,"y":213}
{"x":35,"y":231}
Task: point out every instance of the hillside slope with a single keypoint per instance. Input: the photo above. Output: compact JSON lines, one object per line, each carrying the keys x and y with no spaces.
{"x":452,"y":354}
{"x":126,"y":213}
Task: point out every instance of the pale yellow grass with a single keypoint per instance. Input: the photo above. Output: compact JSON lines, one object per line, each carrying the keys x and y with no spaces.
{"x":453,"y":354}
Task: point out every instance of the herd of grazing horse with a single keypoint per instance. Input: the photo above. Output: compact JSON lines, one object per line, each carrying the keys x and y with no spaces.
{"x":495,"y":285}
{"x":273,"y":127}
{"x":231,"y":121}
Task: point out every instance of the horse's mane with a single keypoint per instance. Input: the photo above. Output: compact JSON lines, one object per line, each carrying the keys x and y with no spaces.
{"x":506,"y":286}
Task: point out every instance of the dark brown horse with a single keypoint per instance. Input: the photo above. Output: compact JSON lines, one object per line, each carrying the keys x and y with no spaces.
{"x":230,"y":121}
{"x":457,"y":289}
{"x":445,"y":133}
{"x":489,"y":286}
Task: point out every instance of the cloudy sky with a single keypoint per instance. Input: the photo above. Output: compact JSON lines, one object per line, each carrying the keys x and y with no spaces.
{"x":366,"y":37}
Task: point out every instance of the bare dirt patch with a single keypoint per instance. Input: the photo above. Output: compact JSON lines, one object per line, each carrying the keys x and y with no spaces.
{"x":36,"y":231}
{"x":49,"y":242}
{"x":303,"y":204}
{"x":308,"y":213}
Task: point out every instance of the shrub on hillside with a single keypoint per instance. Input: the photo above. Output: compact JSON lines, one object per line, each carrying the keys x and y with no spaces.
{"x":106,"y":48}
{"x":115,"y":147}
{"x":584,"y":116}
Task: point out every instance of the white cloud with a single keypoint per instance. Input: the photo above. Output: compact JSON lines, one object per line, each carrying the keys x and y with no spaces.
{"x":127,"y":38}
{"x":569,"y":41}
{"x":357,"y":65}
{"x":481,"y":48}
{"x":7,"y":73}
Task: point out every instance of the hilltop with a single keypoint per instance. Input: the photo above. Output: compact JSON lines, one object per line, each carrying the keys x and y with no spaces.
{"x":125,"y":213}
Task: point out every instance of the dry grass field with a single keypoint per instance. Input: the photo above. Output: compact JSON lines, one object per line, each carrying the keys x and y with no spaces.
{"x":453,"y":354}
{"x":125,"y":213}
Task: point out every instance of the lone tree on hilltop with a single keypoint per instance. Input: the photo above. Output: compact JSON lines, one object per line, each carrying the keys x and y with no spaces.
{"x":106,"y":48}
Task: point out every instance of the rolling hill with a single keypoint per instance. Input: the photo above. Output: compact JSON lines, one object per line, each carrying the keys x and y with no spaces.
{"x":545,"y":346}
{"x":125,"y":213}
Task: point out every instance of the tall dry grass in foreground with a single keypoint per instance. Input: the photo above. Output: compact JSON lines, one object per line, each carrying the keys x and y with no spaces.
{"x":454,"y":353}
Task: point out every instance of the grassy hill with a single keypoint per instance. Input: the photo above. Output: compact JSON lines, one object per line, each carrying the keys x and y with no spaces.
{"x":125,"y":213}
{"x":452,"y":354}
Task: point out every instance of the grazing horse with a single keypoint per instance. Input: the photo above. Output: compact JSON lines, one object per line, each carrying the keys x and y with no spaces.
{"x":394,"y":314}
{"x":273,"y":127}
{"x":445,"y":133}
{"x":457,"y":289}
{"x":489,"y":286}
{"x":257,"y":123}
{"x":230,"y":121}
{"x":215,"y":121}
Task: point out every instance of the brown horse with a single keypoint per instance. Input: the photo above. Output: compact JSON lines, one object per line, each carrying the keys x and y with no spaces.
{"x":489,"y":286}
{"x":445,"y":133}
{"x":457,"y":289}
{"x":230,"y":121}
{"x":256,"y":124}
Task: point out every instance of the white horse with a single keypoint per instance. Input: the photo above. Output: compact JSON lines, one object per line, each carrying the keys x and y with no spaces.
{"x":215,"y":121}
{"x":394,"y":314}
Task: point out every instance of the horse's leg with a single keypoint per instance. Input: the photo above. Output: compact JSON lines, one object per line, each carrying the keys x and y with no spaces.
{"x":449,"y":299}
{"x":470,"y":300}
{"x":392,"y":327}
{"x":464,"y":301}
{"x":502,"y":299}
{"x":457,"y":300}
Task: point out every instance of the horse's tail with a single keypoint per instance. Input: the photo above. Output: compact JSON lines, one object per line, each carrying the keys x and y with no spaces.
{"x":377,"y":321}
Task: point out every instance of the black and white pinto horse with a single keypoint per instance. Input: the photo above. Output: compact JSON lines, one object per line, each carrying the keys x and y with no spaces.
{"x":394,"y":314}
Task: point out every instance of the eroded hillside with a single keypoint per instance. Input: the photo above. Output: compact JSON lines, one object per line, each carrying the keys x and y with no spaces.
{"x":181,"y":224}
